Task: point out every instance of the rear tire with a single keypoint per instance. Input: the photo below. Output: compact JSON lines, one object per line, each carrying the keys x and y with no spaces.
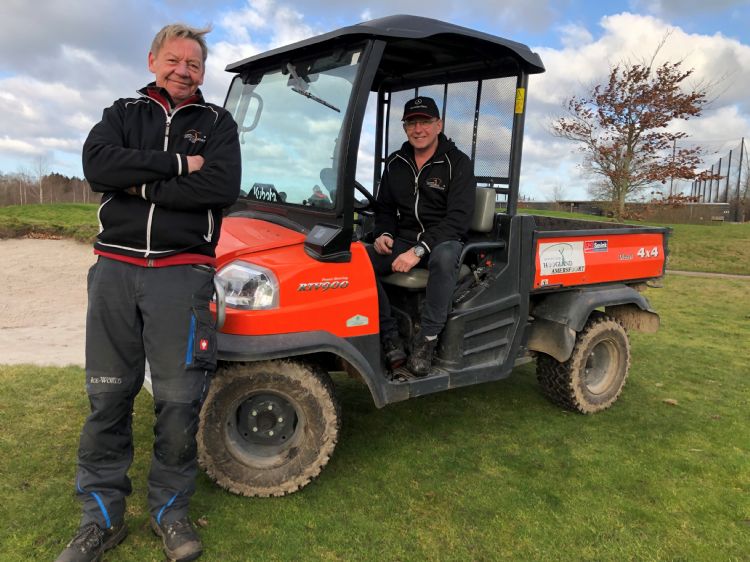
{"x":268,"y":429}
{"x":592,"y":378}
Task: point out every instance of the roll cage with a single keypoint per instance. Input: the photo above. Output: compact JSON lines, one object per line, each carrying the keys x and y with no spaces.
{"x":479,"y":81}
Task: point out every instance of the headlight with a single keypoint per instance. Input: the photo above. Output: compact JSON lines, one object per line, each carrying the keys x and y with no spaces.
{"x":249,"y":287}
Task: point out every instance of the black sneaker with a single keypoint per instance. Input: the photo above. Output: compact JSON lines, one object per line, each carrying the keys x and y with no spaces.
{"x":91,"y":541}
{"x":393,"y":347}
{"x":181,"y":542}
{"x":420,"y":359}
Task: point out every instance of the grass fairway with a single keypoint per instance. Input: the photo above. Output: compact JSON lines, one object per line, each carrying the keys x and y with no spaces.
{"x":492,"y":472}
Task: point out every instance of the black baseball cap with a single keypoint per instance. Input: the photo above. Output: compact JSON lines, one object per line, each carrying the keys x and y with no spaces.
{"x":423,"y":106}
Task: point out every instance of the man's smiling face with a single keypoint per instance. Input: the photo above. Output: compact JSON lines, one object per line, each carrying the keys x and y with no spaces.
{"x":178,"y":67}
{"x":422,"y":132}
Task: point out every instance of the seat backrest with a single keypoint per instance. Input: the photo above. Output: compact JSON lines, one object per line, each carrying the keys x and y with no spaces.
{"x":484,"y":210}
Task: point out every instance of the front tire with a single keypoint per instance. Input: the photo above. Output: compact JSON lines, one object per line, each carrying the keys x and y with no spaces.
{"x":268,"y":429}
{"x":592,"y":378}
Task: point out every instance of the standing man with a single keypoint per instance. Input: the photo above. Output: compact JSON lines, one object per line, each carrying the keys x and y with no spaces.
{"x":166,"y":163}
{"x":425,"y":204}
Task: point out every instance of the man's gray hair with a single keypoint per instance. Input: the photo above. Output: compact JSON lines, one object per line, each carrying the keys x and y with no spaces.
{"x":179,"y":30}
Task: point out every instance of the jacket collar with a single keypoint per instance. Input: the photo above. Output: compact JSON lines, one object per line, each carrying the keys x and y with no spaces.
{"x":161,"y":96}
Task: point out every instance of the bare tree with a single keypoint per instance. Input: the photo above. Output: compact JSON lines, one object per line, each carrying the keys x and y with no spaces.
{"x":41,"y":168}
{"x":24,"y":183}
{"x":559,"y":193}
{"x":621,"y":127}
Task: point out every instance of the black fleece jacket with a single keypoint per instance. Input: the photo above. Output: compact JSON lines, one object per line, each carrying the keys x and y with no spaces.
{"x":144,"y":143}
{"x":430,"y":205}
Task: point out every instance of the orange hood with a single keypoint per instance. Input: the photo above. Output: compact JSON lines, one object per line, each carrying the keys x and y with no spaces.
{"x":240,"y":235}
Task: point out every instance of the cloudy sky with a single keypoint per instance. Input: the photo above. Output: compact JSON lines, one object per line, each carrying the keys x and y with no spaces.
{"x":61,"y":63}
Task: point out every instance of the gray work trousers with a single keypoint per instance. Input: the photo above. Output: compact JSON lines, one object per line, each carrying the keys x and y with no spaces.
{"x":137,"y":313}
{"x":442,"y":264}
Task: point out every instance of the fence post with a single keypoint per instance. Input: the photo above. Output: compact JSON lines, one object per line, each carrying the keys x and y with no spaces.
{"x":718,"y":183}
{"x":739,"y":179}
{"x":671,"y":178}
{"x":729,"y":173}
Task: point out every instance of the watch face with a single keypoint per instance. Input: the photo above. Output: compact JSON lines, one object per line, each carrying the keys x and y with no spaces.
{"x":419,"y":251}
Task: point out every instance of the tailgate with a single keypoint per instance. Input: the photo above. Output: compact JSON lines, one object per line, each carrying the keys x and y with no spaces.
{"x":565,"y":259}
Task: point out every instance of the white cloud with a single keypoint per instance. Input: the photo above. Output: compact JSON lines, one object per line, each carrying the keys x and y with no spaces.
{"x":18,"y":146}
{"x":575,"y":35}
{"x":527,"y":15}
{"x":266,"y":18}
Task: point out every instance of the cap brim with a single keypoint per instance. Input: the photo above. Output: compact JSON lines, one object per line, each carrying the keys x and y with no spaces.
{"x":405,"y":117}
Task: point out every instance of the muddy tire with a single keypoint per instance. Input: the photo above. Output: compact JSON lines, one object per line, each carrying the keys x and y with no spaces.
{"x":592,"y":379}
{"x":267,"y":429}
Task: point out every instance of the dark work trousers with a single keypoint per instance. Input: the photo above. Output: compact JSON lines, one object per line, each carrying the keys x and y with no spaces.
{"x":137,"y":313}
{"x":442,"y":264}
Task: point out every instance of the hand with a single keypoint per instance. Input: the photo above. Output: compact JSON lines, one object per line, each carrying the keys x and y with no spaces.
{"x":405,"y":262}
{"x":383,"y":245}
{"x":195,"y":163}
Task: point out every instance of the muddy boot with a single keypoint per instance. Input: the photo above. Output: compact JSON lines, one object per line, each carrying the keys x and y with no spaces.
{"x":420,"y":360}
{"x":181,"y":542}
{"x":91,"y":541}
{"x":393,"y":348}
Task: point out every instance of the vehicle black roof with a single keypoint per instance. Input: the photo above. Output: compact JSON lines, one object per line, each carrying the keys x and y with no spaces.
{"x":419,"y":46}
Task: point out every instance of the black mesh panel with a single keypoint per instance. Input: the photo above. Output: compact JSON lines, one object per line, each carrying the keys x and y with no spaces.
{"x":495,"y":128}
{"x":459,"y":115}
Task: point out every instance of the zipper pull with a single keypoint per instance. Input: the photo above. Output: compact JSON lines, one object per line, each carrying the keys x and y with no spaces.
{"x":166,"y":132}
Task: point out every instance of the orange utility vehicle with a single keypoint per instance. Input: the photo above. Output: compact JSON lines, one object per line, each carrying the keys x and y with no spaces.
{"x":296,"y":294}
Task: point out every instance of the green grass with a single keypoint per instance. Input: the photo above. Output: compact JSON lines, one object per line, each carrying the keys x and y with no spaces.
{"x":492,"y":472}
{"x":724,"y":248}
{"x":67,"y":220}
{"x":720,"y":248}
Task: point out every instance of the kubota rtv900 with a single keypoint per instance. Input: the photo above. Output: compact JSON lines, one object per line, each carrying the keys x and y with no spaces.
{"x":297,"y":293}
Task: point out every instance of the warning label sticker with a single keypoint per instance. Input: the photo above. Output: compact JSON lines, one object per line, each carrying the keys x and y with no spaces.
{"x":561,"y":257}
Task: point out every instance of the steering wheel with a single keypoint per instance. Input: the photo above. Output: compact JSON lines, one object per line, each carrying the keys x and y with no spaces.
{"x":370,"y":199}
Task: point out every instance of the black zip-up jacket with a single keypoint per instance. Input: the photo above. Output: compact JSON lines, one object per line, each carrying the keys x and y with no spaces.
{"x":430,"y":205}
{"x":144,"y":143}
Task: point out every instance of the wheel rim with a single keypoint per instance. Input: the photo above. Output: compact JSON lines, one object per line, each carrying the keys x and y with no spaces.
{"x":262,"y":426}
{"x":600,"y":370}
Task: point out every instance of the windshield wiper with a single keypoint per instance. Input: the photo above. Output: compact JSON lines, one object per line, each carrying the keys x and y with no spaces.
{"x":315,"y":98}
{"x":304,"y":92}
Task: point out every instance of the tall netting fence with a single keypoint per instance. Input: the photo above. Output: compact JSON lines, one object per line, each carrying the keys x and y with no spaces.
{"x":726,"y":180}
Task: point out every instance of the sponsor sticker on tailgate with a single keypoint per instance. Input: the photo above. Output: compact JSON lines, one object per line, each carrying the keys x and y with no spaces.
{"x":595,"y":246}
{"x":561,"y":257}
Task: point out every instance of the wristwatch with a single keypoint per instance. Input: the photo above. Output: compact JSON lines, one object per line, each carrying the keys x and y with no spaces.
{"x":418,"y":251}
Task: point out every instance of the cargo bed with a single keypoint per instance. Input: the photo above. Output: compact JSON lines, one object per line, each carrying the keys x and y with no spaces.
{"x":572,"y":252}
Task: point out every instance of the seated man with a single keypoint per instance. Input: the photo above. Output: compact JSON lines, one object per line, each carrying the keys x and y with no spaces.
{"x":319,"y":199}
{"x":425,"y":203}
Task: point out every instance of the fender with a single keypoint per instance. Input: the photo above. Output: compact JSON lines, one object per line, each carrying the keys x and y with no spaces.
{"x":558,"y":317}
{"x":355,"y":352}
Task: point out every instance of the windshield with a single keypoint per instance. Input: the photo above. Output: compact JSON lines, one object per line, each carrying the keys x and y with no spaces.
{"x":290,"y":119}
